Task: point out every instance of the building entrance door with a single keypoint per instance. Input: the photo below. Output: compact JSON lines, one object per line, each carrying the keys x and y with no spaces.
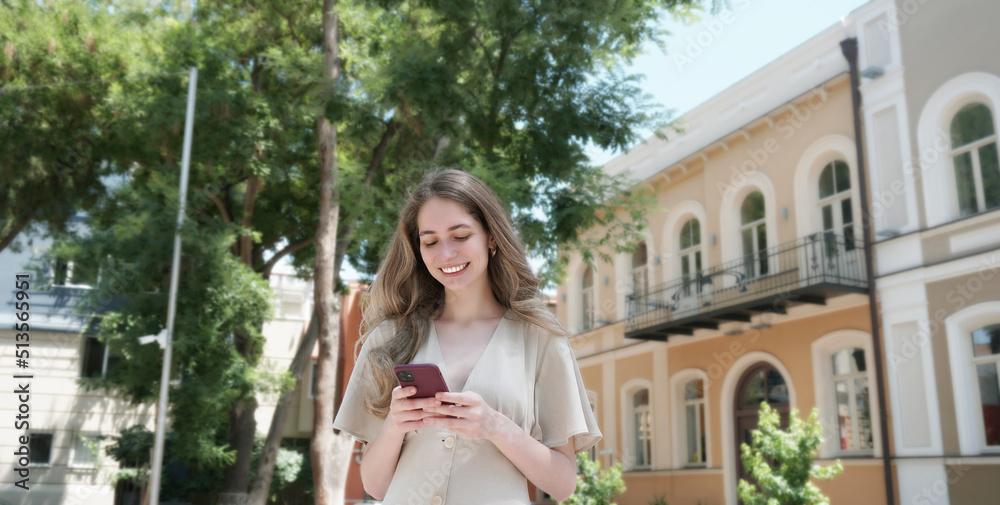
{"x":761,"y":383}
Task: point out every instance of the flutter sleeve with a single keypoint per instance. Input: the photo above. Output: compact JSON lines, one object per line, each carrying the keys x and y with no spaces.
{"x":561,"y":406}
{"x":352,"y":417}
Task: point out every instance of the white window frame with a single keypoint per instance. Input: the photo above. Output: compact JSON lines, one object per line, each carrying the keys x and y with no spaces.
{"x":73,"y":448}
{"x":968,"y":409}
{"x":693,"y":254}
{"x":752,"y":226}
{"x":934,"y":139}
{"x":730,"y":222}
{"x":677,"y":383}
{"x":977,"y":169}
{"x":823,"y":350}
{"x":680,"y":214}
{"x":836,"y":206}
{"x":629,"y":436}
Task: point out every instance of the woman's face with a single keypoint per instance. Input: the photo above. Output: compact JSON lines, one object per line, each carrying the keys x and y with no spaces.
{"x":453,"y":245}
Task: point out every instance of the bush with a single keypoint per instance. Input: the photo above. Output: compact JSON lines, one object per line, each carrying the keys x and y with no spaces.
{"x":781,"y":462}
{"x":593,"y":486}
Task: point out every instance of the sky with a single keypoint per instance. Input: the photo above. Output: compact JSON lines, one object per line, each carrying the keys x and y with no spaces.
{"x":705,"y":57}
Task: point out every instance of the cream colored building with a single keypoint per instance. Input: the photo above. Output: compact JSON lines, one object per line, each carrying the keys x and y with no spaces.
{"x":63,"y":468}
{"x":750,"y":283}
{"x":931,"y":122}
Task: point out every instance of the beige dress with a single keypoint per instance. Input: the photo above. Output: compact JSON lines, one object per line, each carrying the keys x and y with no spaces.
{"x":525,"y":373}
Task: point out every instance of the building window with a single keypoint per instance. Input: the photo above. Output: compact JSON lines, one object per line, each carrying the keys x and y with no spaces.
{"x":83,"y":452}
{"x":974,"y":156}
{"x":835,"y":204}
{"x":986,"y":361}
{"x":694,"y":421}
{"x":850,"y":386}
{"x":640,"y":272}
{"x":690,"y":253}
{"x":40,"y":448}
{"x":642,"y":428}
{"x":588,"y":299}
{"x":95,"y":359}
{"x":80,"y":271}
{"x":753,"y":230}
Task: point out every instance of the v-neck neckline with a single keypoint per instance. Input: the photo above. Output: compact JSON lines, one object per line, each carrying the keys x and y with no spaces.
{"x":436,"y":349}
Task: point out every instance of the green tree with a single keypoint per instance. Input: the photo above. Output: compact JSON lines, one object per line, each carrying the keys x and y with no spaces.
{"x":58,"y":64}
{"x":593,"y":485}
{"x":511,"y":91}
{"x":781,"y":461}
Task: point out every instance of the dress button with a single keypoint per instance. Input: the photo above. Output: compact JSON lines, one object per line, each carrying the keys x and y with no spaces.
{"x":449,"y":442}
{"x":436,"y":500}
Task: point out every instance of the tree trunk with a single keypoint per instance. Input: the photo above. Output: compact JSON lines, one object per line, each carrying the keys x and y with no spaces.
{"x":330,"y":452}
{"x":269,"y":455}
{"x":242,"y":429}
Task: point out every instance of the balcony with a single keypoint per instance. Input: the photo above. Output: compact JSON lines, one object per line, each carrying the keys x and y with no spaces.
{"x":806,"y":271}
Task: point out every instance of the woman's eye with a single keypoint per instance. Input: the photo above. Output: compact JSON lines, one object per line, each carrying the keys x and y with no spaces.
{"x":462,"y":238}
{"x":428,"y":244}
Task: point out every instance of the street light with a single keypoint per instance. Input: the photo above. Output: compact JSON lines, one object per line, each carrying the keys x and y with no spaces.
{"x":165,"y":337}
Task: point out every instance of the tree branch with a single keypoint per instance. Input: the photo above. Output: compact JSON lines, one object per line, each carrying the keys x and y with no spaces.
{"x":391,"y":127}
{"x":266,"y":270}
{"x":19,"y":223}
{"x":221,"y":206}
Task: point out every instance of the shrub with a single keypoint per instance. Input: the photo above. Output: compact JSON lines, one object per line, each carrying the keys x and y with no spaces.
{"x":594,"y":486}
{"x":781,"y":462}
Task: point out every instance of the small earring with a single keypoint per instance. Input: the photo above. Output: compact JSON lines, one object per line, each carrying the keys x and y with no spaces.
{"x":493,"y":252}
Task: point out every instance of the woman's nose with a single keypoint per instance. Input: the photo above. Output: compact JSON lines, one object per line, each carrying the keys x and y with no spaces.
{"x":448,"y":250}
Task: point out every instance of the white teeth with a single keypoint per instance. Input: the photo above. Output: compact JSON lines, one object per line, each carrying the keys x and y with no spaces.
{"x":454,"y":269}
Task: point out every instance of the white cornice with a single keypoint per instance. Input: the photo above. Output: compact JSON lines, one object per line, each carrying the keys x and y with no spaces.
{"x":806,"y":67}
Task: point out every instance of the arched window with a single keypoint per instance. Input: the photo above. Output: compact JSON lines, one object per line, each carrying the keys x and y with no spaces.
{"x":694,"y":421}
{"x":753,"y":230}
{"x":850,"y":386}
{"x":588,"y":299}
{"x":690,"y":253}
{"x":835,"y":203}
{"x":986,"y":360}
{"x":640,"y":271}
{"x":974,"y":156}
{"x":642,"y":428}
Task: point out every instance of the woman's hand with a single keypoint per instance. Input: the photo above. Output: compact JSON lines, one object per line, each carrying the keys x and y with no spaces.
{"x":407,"y":413}
{"x":468,"y":416}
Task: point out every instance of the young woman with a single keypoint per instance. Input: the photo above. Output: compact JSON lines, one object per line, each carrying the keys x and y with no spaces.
{"x":455,"y":289}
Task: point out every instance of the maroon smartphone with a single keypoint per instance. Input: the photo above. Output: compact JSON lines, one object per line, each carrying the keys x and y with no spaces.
{"x":425,"y":376}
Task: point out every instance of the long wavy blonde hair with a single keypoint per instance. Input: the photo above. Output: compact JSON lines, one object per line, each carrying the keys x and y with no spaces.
{"x":405,"y":293}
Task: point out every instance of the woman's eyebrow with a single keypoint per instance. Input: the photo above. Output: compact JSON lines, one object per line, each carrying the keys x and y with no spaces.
{"x":457,"y":226}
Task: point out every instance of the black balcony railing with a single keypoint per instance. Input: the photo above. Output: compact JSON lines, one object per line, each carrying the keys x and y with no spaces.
{"x":790,"y":271}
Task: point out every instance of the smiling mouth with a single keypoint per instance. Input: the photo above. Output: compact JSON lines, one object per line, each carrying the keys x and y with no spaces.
{"x":452,"y":270}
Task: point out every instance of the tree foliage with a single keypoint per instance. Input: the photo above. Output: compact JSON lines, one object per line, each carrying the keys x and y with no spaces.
{"x":56,"y":69}
{"x":511,"y":91}
{"x":593,"y":485}
{"x":781,"y":461}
